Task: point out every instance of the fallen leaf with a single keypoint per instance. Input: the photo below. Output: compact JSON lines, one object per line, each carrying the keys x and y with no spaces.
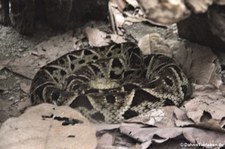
{"x":3,"y":64}
{"x":25,"y":87}
{"x":162,"y":117}
{"x":154,"y":43}
{"x":121,"y":4}
{"x":205,"y":138}
{"x":46,"y":52}
{"x":165,"y":12}
{"x":116,"y":18}
{"x":207,"y":107}
{"x":199,"y":6}
{"x":143,"y":133}
{"x":24,"y":66}
{"x":106,"y":141}
{"x":133,"y":3}
{"x":117,"y":39}
{"x":96,"y":37}
{"x":55,"y":46}
{"x":44,"y":126}
{"x":194,"y":136}
{"x":198,"y":62}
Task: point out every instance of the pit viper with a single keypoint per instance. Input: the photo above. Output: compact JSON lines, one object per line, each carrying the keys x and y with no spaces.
{"x":112,"y":83}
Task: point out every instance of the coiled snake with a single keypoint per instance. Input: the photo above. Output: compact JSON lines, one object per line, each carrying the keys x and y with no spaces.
{"x":112,"y":83}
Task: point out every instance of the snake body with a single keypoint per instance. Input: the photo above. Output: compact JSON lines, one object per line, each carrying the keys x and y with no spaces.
{"x":111,"y":84}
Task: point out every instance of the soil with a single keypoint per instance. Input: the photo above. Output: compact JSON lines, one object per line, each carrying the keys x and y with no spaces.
{"x":13,"y":100}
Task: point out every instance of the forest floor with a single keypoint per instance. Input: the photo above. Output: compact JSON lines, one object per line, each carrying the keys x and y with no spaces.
{"x":22,"y":56}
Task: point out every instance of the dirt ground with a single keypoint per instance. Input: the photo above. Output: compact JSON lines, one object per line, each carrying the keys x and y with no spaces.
{"x":22,"y":56}
{"x":13,"y":99}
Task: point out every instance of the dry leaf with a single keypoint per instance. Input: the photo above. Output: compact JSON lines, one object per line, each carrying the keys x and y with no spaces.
{"x":3,"y":64}
{"x":114,"y":139}
{"x":205,"y":138}
{"x":117,"y":39}
{"x":25,"y":87}
{"x":181,"y":118}
{"x":207,"y":107}
{"x":148,"y":135}
{"x":44,"y":126}
{"x":198,"y":62}
{"x":96,"y":37}
{"x":55,"y":46}
{"x":47,"y":51}
{"x":154,"y":43}
{"x":121,"y":4}
{"x":162,"y":117}
{"x":116,"y":18}
{"x":143,"y":133}
{"x":133,"y":3}
{"x":105,"y":142}
{"x":24,"y":66}
{"x":165,"y":12}
{"x":199,"y":6}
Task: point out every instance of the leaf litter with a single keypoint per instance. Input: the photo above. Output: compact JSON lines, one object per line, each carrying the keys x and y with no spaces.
{"x":199,"y":120}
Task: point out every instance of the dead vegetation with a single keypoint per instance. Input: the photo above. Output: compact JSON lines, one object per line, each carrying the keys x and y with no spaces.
{"x":198,"y":123}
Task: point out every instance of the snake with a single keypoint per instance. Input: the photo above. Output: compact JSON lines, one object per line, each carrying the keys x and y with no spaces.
{"x":111,"y":84}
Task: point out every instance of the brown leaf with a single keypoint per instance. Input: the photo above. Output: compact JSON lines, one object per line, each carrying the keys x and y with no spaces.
{"x":198,"y":62}
{"x":25,"y":87}
{"x":154,"y":43}
{"x":116,"y":18}
{"x":106,"y":141}
{"x":164,"y":12}
{"x":55,"y":47}
{"x":24,"y":66}
{"x":143,"y":133}
{"x":96,"y":37}
{"x":46,"y":52}
{"x":204,"y":137}
{"x":148,"y":135}
{"x":121,"y":4}
{"x":133,"y":3}
{"x":162,"y":117}
{"x":39,"y":127}
{"x":199,"y":6}
{"x":181,"y":118}
{"x":3,"y":64}
{"x":207,"y":107}
{"x":117,"y":39}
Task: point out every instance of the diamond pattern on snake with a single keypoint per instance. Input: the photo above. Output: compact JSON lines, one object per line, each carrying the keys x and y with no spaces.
{"x":111,"y":84}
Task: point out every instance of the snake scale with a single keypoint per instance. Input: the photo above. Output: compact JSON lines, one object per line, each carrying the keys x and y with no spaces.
{"x":111,"y":84}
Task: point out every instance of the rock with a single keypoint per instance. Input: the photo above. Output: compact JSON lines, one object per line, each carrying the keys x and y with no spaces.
{"x":206,"y":29}
{"x":59,"y":14}
{"x":23,"y":14}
